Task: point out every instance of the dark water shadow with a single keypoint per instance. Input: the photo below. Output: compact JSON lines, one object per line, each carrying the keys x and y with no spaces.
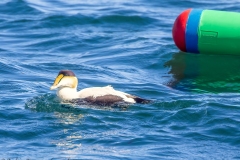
{"x":47,"y":103}
{"x":204,"y":73}
{"x":66,"y":113}
{"x":50,"y":103}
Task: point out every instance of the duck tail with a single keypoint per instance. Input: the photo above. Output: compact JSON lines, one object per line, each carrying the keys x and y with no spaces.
{"x":141,"y":100}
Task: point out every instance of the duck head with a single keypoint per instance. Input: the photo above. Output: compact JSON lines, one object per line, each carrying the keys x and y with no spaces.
{"x":65,"y":78}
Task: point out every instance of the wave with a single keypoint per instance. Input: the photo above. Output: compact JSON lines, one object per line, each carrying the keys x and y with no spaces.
{"x":46,"y":103}
{"x":17,"y":7}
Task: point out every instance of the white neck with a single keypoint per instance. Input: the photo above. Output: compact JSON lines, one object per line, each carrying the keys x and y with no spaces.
{"x":67,"y":93}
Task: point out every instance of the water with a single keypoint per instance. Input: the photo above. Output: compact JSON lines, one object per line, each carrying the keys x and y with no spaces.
{"x":195,"y":113}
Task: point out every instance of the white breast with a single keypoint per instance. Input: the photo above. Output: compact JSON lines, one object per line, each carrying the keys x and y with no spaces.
{"x":66,"y":93}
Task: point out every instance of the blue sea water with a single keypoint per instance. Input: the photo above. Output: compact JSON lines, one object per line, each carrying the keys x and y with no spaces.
{"x":195,"y":109}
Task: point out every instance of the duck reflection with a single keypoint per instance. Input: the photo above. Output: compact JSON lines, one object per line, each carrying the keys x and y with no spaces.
{"x":68,"y":118}
{"x":204,"y":73}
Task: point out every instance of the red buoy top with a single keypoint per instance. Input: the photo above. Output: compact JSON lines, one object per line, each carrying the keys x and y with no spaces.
{"x":179,"y":30}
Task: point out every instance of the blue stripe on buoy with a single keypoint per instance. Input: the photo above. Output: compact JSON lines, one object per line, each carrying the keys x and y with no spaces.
{"x":192,"y":30}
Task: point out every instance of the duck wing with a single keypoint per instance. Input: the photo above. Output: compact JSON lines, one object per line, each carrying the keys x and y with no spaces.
{"x":108,"y":96}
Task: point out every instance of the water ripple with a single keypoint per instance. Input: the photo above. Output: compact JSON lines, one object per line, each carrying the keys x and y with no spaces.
{"x":194,"y":112}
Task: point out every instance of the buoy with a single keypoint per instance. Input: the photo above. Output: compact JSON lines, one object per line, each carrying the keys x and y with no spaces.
{"x":207,"y":31}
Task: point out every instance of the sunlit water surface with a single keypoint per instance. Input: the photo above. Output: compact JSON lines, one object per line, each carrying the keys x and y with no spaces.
{"x":195,"y":109}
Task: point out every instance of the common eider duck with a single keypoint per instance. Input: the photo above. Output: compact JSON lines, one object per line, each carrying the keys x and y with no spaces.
{"x":66,"y":84}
